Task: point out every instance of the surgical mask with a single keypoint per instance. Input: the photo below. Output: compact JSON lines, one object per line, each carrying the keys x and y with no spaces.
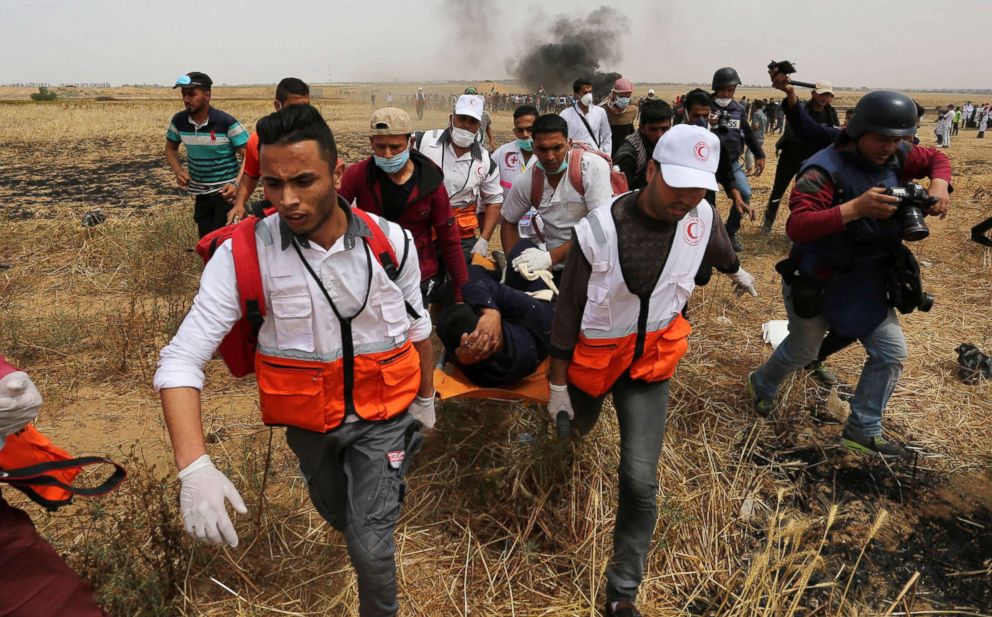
{"x":723,"y":102}
{"x":703,"y":122}
{"x":461,"y":137}
{"x":394,"y":164}
{"x":621,"y":102}
{"x":561,"y":168}
{"x":586,"y":99}
{"x":527,"y":145}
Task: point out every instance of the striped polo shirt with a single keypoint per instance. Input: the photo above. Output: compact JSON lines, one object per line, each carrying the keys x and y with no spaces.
{"x":209,"y":148}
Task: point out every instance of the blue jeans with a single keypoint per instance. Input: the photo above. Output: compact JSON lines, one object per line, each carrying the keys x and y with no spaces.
{"x":886,"y":349}
{"x":740,"y":179}
{"x":641,"y":411}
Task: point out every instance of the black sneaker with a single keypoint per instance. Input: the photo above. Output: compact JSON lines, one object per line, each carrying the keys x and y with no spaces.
{"x":735,"y":242}
{"x":623,"y":608}
{"x":872,"y":446}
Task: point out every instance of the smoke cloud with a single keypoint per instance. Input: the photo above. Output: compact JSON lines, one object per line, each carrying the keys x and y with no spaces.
{"x":573,"y":48}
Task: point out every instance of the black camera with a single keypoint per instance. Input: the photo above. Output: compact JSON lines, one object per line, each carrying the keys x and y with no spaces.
{"x":787,"y":68}
{"x":905,"y":289}
{"x":913,"y":202}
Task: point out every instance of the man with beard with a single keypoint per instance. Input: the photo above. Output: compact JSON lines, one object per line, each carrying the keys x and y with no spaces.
{"x":635,"y":150}
{"x":215,"y":143}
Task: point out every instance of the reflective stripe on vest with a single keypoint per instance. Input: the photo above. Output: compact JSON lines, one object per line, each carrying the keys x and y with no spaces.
{"x":311,"y":377}
{"x":620,"y":331}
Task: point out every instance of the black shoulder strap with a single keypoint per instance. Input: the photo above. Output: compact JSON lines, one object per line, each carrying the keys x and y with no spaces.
{"x":418,"y":138}
{"x":588,"y":128}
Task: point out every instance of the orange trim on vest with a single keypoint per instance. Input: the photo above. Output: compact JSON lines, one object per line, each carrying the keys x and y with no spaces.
{"x":467,"y":220}
{"x":29,"y":447}
{"x":598,"y":363}
{"x":309,"y":394}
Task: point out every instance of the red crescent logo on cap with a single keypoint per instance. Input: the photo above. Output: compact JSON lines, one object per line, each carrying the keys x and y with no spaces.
{"x":701,"y":151}
{"x":694,"y":229}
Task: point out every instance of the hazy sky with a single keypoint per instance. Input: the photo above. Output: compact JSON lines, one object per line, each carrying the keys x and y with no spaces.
{"x":849,"y":42}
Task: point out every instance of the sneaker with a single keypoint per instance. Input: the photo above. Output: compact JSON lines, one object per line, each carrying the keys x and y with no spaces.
{"x":735,"y":242}
{"x":766,"y":227}
{"x":819,"y":370}
{"x":622,"y":608}
{"x":761,"y":406}
{"x":872,"y":445}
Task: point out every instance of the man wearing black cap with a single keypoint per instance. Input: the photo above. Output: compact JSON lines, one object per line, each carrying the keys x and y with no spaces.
{"x":215,"y":143}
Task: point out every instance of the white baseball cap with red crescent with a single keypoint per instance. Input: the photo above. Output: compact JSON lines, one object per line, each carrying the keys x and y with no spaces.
{"x":688,"y":156}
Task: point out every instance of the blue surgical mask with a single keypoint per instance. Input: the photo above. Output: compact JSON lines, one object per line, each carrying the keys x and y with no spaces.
{"x":621,"y":102}
{"x":561,"y":168}
{"x":703,"y":122}
{"x":527,"y":145}
{"x":394,"y":164}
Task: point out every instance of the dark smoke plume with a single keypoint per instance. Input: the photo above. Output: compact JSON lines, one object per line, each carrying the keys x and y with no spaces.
{"x":577,"y":48}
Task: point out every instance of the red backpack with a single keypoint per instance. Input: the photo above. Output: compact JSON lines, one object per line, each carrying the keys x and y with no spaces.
{"x":238,"y":347}
{"x":618,"y":181}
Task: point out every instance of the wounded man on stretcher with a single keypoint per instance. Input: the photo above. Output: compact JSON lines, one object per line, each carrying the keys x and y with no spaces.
{"x":501,"y":333}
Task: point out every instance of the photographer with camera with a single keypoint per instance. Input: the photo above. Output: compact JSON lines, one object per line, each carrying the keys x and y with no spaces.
{"x":848,"y":266}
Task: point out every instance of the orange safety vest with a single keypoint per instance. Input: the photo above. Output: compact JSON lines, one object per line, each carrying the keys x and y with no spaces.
{"x":616,"y":337}
{"x":316,"y":390}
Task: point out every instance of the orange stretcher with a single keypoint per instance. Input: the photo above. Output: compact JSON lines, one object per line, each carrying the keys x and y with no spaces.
{"x":451,"y":383}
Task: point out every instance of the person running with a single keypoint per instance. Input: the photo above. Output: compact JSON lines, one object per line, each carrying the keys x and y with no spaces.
{"x":328,"y":348}
{"x":618,"y":327}
{"x":290,"y":91}
{"x":215,"y":143}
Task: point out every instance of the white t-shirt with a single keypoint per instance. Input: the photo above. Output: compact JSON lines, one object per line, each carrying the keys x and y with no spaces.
{"x":561,"y":207}
{"x":598,"y":122}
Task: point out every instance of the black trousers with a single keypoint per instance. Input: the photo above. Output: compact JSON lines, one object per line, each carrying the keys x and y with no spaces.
{"x":788,"y":166}
{"x":210,"y":212}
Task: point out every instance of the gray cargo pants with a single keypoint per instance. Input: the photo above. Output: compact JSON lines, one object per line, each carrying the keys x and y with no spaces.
{"x":355,"y":477}
{"x":641,"y":412}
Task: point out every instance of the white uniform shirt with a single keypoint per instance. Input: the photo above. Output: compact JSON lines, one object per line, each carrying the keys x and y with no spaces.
{"x":344,"y":273}
{"x":561,"y":207}
{"x":510,"y":159}
{"x":472,"y":178}
{"x":598,"y":122}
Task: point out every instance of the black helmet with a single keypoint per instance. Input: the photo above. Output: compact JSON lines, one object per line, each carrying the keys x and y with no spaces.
{"x":885,"y":112}
{"x":725,"y":77}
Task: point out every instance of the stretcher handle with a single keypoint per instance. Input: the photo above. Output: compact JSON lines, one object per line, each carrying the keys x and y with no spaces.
{"x":563,"y":426}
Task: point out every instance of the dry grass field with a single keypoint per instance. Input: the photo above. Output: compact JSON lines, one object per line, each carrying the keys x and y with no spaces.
{"x":756,"y":517}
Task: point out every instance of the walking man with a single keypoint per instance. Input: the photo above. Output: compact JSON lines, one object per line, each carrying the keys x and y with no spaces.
{"x":618,"y":327}
{"x":215,"y":143}
{"x":588,"y":122}
{"x":328,"y":344}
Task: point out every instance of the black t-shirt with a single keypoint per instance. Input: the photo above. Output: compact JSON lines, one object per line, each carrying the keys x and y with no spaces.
{"x":395,"y":196}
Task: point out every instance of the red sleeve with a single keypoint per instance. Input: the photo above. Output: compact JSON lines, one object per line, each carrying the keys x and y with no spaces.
{"x":351,"y":183}
{"x":446,"y":231}
{"x":926,"y":162}
{"x":251,"y":157}
{"x":812,"y":215}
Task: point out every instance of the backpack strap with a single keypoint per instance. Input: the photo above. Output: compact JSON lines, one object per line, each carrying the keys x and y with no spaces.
{"x":575,"y":168}
{"x":536,"y":187}
{"x":36,"y":482}
{"x":382,"y":250}
{"x":248,"y":272}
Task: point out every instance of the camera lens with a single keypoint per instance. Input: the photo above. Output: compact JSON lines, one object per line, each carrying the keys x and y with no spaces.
{"x":926,"y":302}
{"x":913,"y":227}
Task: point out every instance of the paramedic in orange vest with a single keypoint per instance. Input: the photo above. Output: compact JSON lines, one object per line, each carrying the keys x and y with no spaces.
{"x":343,"y":354}
{"x":618,"y":325}
{"x":34,"y":580}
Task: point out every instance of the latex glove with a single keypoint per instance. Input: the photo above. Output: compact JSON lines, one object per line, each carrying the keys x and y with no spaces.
{"x":560,"y":401}
{"x":422,"y":409}
{"x":481,"y":247}
{"x":533,"y":259}
{"x":743,"y":283}
{"x":201,"y":500}
{"x":19,"y":403}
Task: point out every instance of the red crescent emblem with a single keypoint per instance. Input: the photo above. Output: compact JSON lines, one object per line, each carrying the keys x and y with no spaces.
{"x":691,"y":230}
{"x":694,"y":230}
{"x":701,"y":151}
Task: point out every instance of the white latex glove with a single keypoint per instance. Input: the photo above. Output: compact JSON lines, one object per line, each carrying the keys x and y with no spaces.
{"x":481,"y":247}
{"x":19,"y":403}
{"x":560,"y":401}
{"x":422,"y":409}
{"x":201,"y":500}
{"x":533,"y":259}
{"x":743,"y":283}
